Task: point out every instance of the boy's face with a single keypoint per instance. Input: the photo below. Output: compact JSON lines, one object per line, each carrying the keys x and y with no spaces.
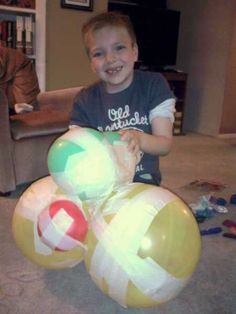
{"x":112,"y":57}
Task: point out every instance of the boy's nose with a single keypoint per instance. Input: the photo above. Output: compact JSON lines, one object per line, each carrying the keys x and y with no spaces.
{"x":110,"y":57}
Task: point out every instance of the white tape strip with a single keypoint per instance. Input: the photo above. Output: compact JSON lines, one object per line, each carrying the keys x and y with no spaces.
{"x":115,"y":257}
{"x":36,"y":198}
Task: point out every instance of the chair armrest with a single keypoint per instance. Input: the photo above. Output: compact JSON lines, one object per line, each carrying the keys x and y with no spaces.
{"x":38,"y":123}
{"x":60,"y":99}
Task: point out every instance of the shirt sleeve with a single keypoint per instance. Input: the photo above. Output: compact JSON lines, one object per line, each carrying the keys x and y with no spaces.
{"x":166,"y":109}
{"x":161,"y":98}
{"x":78,"y":115}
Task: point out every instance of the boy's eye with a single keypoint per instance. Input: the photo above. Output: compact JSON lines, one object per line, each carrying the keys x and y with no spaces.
{"x":97,"y":54}
{"x":120,"y":47}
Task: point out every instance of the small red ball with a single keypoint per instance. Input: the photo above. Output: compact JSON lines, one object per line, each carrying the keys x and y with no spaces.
{"x":62,"y":226}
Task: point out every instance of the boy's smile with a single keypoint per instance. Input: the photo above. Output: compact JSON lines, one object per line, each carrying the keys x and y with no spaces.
{"x":112,"y":55}
{"x":115,"y":70}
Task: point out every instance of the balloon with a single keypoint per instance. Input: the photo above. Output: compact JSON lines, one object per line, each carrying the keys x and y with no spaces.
{"x":62,"y":225}
{"x":143,"y":245}
{"x":140,"y":243}
{"x":89,"y":164}
{"x":36,"y":200}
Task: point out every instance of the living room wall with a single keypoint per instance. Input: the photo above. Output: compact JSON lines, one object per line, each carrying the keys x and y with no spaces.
{"x":204,"y":47}
{"x":66,"y":62}
{"x":228,"y":120}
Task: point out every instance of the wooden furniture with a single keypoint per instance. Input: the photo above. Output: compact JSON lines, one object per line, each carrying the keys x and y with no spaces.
{"x":38,"y":15}
{"x":178,"y":84}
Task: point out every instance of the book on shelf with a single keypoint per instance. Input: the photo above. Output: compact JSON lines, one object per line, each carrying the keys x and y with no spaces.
{"x":18,"y":34}
{"x":3,"y":34}
{"x":25,"y":4}
{"x":29,"y":49}
{"x":8,"y":2}
{"x":7,"y":34}
{"x":11,"y":42}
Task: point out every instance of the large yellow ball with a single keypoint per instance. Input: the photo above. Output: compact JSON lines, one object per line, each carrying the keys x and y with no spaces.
{"x":143,"y":245}
{"x":31,"y":204}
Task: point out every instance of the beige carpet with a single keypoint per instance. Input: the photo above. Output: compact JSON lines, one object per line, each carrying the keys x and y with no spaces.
{"x":26,"y":288}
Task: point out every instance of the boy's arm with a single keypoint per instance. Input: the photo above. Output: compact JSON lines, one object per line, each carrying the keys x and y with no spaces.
{"x":158,"y":143}
{"x":162,"y":130}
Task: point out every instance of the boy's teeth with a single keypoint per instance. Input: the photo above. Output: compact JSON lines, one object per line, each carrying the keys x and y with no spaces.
{"x":111,"y":71}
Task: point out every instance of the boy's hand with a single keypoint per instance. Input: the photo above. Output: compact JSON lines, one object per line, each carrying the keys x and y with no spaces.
{"x":132,"y":137}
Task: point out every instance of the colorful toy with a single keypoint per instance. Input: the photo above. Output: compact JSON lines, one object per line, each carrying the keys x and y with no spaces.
{"x":33,"y":202}
{"x":233,"y":199}
{"x":140,"y":243}
{"x":143,"y":245}
{"x":90,"y":164}
{"x":231,"y":225}
{"x":210,"y":231}
{"x":62,"y":225}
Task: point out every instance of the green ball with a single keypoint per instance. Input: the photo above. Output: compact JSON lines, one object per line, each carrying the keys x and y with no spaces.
{"x":86,"y":162}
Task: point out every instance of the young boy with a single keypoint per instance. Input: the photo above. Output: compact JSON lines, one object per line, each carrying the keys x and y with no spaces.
{"x":139,"y":105}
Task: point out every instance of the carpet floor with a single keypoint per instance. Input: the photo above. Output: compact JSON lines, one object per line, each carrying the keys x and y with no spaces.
{"x":26,"y":288}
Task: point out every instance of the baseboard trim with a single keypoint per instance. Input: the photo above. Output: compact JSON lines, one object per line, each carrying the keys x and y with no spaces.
{"x":227,"y":135}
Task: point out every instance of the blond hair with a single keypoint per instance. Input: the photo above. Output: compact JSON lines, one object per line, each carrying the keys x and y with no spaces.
{"x":113,"y":19}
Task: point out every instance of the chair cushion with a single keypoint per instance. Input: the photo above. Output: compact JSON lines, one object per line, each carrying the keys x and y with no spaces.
{"x":38,"y":123}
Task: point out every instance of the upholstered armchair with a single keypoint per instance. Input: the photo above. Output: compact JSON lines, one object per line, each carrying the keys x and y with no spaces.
{"x":25,"y":138}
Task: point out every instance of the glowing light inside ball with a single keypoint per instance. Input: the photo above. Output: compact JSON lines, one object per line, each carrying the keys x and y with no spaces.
{"x":148,"y":239}
{"x":81,"y":163}
{"x":142,"y":243}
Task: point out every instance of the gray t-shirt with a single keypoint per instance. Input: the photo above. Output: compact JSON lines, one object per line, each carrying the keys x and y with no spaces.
{"x":130,"y":108}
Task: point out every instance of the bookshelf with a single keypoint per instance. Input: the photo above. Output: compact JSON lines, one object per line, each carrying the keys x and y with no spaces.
{"x":178,"y":84}
{"x":25,"y":29}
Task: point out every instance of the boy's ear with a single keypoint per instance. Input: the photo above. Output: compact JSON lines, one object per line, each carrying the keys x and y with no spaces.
{"x":136,"y":51}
